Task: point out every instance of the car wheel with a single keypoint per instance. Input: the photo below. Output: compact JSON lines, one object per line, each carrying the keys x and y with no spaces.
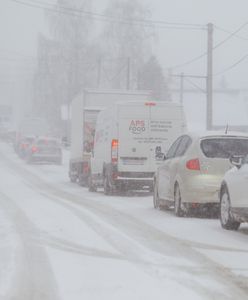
{"x":177,"y":201}
{"x":156,"y":201}
{"x":106,"y":186}
{"x":91,"y":186}
{"x":226,"y":219}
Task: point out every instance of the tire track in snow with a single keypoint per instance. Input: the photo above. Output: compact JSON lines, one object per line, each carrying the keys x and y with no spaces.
{"x":33,"y":278}
{"x":148,"y":236}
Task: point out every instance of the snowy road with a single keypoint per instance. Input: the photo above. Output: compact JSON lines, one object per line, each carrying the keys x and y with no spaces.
{"x":58,"y":241}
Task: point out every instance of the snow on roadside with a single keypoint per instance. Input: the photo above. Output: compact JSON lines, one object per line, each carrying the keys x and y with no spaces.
{"x":9,"y":249}
{"x":204,"y":235}
{"x":78,"y":273}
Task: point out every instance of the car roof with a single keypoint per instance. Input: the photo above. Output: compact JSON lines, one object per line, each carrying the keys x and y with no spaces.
{"x":215,"y":133}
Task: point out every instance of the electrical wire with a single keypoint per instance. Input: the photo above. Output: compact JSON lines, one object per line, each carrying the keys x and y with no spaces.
{"x":229,"y":32}
{"x":195,"y":85}
{"x":232,"y":66}
{"x":108,"y":18}
{"x":231,"y":35}
{"x":169,"y":25}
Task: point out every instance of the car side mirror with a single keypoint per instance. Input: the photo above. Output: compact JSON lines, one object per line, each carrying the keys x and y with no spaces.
{"x":236,"y":160}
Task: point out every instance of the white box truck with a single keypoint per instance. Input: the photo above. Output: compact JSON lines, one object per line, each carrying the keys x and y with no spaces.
{"x":84,"y":110}
{"x":130,"y":142}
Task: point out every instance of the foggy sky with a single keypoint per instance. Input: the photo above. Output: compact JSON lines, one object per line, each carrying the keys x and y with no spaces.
{"x":19,"y":26}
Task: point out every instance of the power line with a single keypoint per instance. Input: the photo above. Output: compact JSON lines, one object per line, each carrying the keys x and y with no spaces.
{"x":108,"y":18}
{"x":229,"y":32}
{"x":231,"y":35}
{"x":195,"y":85}
{"x":232,"y":66}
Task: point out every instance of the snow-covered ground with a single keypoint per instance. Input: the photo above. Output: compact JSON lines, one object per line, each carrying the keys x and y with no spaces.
{"x":58,"y":241}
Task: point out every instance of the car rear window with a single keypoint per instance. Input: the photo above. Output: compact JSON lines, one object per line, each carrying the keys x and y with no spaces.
{"x":224,"y":147}
{"x":47,"y":143}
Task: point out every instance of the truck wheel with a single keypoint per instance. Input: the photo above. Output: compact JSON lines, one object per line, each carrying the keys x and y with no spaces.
{"x":82,"y":181}
{"x":106,"y":186}
{"x":91,"y":186}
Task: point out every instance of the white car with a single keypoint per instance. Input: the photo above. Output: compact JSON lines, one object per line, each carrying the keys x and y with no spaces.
{"x":191,"y":174}
{"x":234,"y":194}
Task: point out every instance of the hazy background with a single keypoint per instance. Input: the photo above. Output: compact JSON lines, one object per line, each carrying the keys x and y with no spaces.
{"x":20,"y":26}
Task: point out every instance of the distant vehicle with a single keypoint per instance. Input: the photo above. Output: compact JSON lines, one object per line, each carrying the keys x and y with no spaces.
{"x":24,"y":145}
{"x":30,"y":127}
{"x":234,"y":194}
{"x":44,"y":149}
{"x":193,"y":169}
{"x":85,"y":109}
{"x":130,"y":141}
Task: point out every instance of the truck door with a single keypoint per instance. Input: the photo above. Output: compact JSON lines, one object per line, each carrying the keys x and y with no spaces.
{"x":134,"y":135}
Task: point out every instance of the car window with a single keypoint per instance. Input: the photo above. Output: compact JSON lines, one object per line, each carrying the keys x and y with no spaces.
{"x":48,"y":143}
{"x":172,"y":150}
{"x":224,"y":147}
{"x":184,"y":145}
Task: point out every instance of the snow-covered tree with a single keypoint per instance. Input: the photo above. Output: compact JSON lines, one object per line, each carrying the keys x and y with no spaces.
{"x":151,"y":77}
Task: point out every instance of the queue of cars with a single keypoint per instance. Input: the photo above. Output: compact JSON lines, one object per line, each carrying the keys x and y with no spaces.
{"x":39,"y":149}
{"x":191,"y":176}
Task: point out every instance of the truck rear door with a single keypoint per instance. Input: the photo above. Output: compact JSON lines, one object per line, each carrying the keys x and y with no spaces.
{"x":133,"y":136}
{"x":146,"y":131}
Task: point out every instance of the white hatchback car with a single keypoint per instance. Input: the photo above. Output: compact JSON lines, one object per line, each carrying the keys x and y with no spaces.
{"x":234,"y":194}
{"x":194,"y":166}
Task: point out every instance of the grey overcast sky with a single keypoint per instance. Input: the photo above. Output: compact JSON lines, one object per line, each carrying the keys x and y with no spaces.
{"x":20,"y":25}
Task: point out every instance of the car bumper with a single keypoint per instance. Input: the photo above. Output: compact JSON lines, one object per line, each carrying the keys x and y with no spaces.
{"x":134,"y":183}
{"x":202,"y":189}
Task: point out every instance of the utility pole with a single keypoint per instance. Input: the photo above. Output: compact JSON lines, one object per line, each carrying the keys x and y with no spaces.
{"x":209,"y":116}
{"x":181,"y":87}
{"x":99,"y":72}
{"x":128,"y":72}
{"x":187,"y":77}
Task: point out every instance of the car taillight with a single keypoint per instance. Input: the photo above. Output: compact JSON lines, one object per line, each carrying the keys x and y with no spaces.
{"x":114,"y":151}
{"x":150,"y":104}
{"x":86,"y":168}
{"x":34,"y":149}
{"x":193,"y":164}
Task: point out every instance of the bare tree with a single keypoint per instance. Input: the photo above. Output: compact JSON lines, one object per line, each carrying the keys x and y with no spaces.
{"x":126,"y":41}
{"x":65,"y":59}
